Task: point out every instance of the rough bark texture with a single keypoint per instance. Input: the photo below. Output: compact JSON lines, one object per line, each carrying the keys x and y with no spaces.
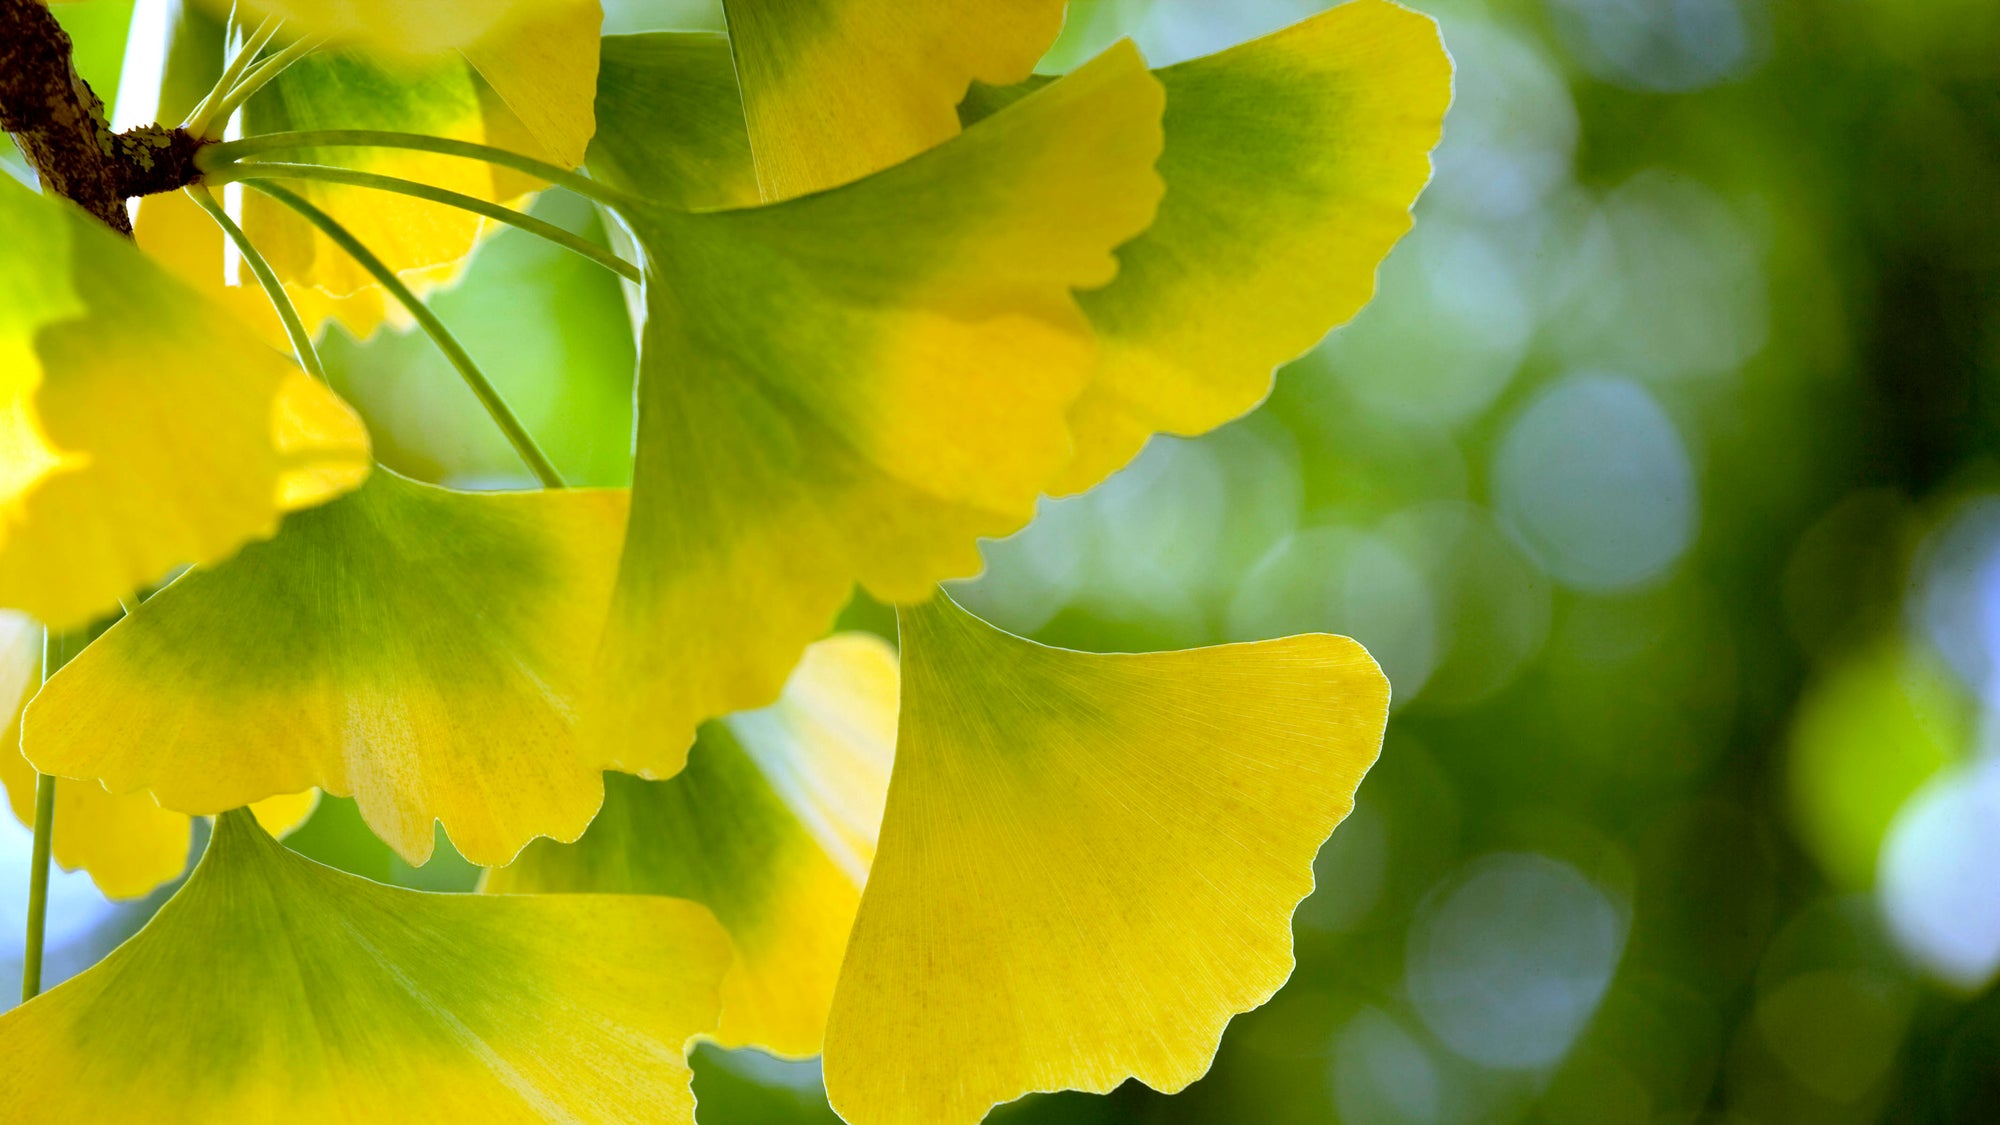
{"x":60,"y":123}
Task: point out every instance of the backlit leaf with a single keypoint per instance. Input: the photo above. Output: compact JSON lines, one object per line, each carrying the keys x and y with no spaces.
{"x":771,"y":825}
{"x":418,"y":649}
{"x":837,"y":89}
{"x":413,"y":27}
{"x":856,"y":386}
{"x":273,"y":989}
{"x":128,"y":844}
{"x":526,"y":86}
{"x":141,"y":427}
{"x":422,"y":240}
{"x":1088,"y":863}
{"x":1291,"y":165}
{"x":670,"y":123}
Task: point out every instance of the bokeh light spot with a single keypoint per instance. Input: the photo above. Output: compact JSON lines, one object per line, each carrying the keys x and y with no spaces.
{"x":1940,"y":876}
{"x":1508,"y":961}
{"x":1593,"y":477}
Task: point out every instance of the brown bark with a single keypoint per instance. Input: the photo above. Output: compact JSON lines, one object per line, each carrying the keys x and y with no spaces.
{"x":60,"y":124}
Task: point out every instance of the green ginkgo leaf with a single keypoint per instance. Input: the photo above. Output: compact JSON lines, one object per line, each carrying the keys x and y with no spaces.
{"x":418,"y":649}
{"x":141,"y":427}
{"x":670,"y":122}
{"x":1088,"y":863}
{"x":273,"y":989}
{"x":771,"y":825}
{"x":426,"y":242}
{"x":1291,"y":164}
{"x":837,"y":89}
{"x":856,"y":386}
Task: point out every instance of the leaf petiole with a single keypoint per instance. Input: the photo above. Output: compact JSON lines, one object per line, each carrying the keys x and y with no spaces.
{"x":281,"y":302}
{"x":38,"y":883}
{"x":488,"y":395}
{"x":274,"y":170}
{"x":217,"y":157}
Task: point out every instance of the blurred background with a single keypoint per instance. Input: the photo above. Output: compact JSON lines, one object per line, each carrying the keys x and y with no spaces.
{"x":1661,"y":477}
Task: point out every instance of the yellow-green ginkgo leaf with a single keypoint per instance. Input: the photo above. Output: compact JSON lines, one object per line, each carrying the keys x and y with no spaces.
{"x":1291,"y":165}
{"x":141,"y":427}
{"x":837,"y":89}
{"x":351,"y":90}
{"x":670,"y":123}
{"x":856,"y":386}
{"x":1088,"y":863}
{"x":274,"y":989}
{"x":771,"y":825}
{"x":128,"y":844}
{"x":538,"y":59}
{"x":418,"y":649}
{"x":527,"y":86}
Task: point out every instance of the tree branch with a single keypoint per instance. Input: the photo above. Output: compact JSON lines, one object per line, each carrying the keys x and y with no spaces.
{"x":61,"y":126}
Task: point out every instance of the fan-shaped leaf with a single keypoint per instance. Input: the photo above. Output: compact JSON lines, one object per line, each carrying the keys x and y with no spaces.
{"x":273,"y":989}
{"x":1291,"y":166}
{"x":417,"y":649}
{"x":856,"y":386}
{"x":140,"y":426}
{"x":837,"y":89}
{"x":771,"y":825}
{"x":1088,"y":863}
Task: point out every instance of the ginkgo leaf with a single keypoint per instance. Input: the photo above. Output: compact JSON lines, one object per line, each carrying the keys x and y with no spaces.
{"x":670,"y":123}
{"x":542,"y":66}
{"x":418,"y":649}
{"x":411,"y":27}
{"x":527,"y":86}
{"x":426,"y":241}
{"x":141,"y":427}
{"x":856,"y":385}
{"x":1291,"y":164}
{"x":771,"y":825}
{"x":1088,"y":863}
{"x":128,"y":844}
{"x":274,"y":989}
{"x":837,"y":89}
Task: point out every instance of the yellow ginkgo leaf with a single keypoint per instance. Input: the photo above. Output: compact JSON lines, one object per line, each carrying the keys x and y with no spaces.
{"x":837,"y":89}
{"x":1088,"y":863}
{"x":1291,"y":166}
{"x":771,"y":825}
{"x":418,"y":649}
{"x":856,"y":386}
{"x":411,"y":27}
{"x":273,"y":989}
{"x":141,"y":427}
{"x":542,"y":66}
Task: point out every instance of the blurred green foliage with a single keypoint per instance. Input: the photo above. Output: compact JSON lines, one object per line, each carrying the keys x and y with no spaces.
{"x":1659,"y":477}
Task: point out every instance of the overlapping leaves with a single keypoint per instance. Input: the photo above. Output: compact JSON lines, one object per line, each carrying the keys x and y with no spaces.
{"x":870,"y":339}
{"x":524,"y":80}
{"x":143,"y":428}
{"x":273,"y":989}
